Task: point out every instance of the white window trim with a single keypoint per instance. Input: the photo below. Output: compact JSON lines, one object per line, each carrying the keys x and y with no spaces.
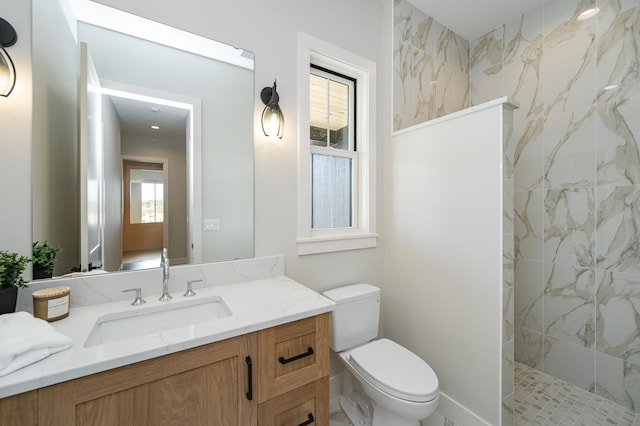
{"x":364,"y":235}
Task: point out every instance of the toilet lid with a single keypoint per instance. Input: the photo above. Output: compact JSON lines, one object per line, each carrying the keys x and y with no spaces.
{"x":396,"y":370}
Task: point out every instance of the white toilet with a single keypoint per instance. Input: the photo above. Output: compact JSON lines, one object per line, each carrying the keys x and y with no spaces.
{"x":385,"y":384}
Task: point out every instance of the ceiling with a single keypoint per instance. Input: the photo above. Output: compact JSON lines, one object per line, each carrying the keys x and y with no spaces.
{"x":138,"y":116}
{"x":473,"y":18}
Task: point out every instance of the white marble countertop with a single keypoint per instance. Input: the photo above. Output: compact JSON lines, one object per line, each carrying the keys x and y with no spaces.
{"x":254,"y":305}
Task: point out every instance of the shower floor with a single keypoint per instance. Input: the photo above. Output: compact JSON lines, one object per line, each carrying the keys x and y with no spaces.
{"x":541,"y":399}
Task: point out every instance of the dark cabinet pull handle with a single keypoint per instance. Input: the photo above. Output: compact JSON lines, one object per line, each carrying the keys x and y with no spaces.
{"x":308,"y":422}
{"x":249,"y":368}
{"x":295,"y":358}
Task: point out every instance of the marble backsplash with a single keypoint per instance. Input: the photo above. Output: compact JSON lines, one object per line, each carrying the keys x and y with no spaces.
{"x":103,"y":288}
{"x":577,"y":177}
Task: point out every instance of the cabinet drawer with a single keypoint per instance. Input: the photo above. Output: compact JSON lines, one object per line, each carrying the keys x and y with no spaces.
{"x":291,"y":355}
{"x":307,"y":405}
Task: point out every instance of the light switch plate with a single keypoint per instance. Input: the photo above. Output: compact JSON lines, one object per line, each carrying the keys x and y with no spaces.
{"x":212,"y":224}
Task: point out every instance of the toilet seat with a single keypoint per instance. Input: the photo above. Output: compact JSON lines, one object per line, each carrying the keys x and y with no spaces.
{"x":395,"y":370}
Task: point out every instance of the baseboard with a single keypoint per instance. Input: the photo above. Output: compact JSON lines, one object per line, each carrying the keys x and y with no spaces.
{"x":458,"y":413}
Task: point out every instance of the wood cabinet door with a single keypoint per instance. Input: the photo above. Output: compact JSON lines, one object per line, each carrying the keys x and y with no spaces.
{"x":307,"y":405}
{"x":207,"y":385}
{"x":19,"y":410}
{"x":291,"y":355}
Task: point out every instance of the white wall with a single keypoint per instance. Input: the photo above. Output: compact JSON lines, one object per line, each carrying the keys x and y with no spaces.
{"x":443,"y":253}
{"x":15,"y":142}
{"x":54,"y":144}
{"x":112,"y":247}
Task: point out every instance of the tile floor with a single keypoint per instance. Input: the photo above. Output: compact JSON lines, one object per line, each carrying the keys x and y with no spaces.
{"x":338,"y":418}
{"x":541,"y":399}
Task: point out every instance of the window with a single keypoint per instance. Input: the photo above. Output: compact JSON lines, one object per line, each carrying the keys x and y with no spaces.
{"x":333,"y":149}
{"x":145,"y":192}
{"x":148,"y":198}
{"x":337,"y":149}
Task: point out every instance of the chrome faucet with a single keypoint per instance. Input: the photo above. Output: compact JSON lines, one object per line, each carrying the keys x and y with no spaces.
{"x":164,"y":263}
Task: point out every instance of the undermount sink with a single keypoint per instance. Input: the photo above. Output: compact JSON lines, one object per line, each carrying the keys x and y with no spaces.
{"x":154,"y":319}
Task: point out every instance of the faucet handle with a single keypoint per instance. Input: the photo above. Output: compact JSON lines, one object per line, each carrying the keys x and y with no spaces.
{"x":138,"y":300}
{"x":189,"y":291}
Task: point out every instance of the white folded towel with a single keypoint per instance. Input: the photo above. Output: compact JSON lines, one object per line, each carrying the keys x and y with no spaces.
{"x":25,"y":340}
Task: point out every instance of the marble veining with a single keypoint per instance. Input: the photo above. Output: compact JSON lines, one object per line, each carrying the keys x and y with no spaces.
{"x":431,"y":68}
{"x":569,"y":304}
{"x":569,"y":56}
{"x":529,"y":291}
{"x":618,"y":232}
{"x":618,"y":142}
{"x":618,"y":307}
{"x":569,"y":226}
{"x":569,"y":149}
{"x":529,"y":225}
{"x":528,"y":347}
{"x":522,"y":63}
{"x":618,"y":53}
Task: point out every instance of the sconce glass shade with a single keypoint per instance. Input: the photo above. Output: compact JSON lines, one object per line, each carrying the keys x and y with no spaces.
{"x":272,"y":117}
{"x":8,"y":37}
{"x":7,"y":73}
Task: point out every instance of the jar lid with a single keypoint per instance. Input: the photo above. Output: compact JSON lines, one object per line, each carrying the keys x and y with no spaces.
{"x":50,"y":292}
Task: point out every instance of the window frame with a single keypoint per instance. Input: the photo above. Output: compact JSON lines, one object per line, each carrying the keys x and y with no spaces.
{"x":363,"y":232}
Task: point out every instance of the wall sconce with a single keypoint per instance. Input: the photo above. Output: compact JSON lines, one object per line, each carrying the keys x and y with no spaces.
{"x":272,"y":118}
{"x":8,"y":37}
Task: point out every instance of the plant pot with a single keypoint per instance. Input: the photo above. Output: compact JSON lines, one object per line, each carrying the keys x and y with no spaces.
{"x":8,"y":297}
{"x":39,"y":274}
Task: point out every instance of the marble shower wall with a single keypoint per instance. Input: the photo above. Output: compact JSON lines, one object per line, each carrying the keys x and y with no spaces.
{"x":431,"y":68}
{"x":577,"y":187}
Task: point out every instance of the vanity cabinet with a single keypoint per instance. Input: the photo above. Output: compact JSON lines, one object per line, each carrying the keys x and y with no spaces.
{"x":19,"y":410}
{"x":293,"y":377}
{"x":239,"y":381}
{"x":206,"y":385}
{"x":307,"y":405}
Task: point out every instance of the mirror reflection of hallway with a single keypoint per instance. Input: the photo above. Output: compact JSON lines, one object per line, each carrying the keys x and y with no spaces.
{"x":144,"y":214}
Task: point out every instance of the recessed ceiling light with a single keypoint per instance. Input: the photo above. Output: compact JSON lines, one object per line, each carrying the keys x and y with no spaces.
{"x":155,"y":109}
{"x":155,"y":127}
{"x":589,"y":13}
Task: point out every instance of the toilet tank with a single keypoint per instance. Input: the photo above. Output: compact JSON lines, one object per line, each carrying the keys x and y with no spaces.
{"x":355,"y":319}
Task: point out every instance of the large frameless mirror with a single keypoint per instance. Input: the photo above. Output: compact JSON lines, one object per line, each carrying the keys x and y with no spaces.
{"x":138,"y":145}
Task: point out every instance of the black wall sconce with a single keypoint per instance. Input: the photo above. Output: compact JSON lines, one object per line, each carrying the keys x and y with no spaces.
{"x":272,"y":118}
{"x":8,"y":37}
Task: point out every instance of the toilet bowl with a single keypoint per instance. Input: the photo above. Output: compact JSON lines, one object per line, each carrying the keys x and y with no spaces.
{"x":384,"y":383}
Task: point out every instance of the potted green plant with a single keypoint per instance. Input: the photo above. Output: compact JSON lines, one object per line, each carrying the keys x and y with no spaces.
{"x":44,"y":259}
{"x":12,"y":265}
